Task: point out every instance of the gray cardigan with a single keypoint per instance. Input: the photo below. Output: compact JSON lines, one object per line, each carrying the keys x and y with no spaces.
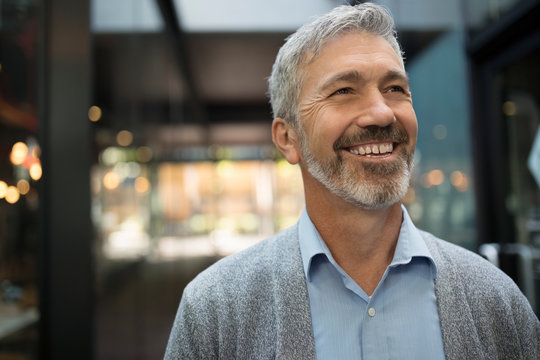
{"x":254,"y":305}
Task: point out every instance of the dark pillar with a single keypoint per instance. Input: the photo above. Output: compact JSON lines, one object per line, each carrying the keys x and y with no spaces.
{"x":66,"y":236}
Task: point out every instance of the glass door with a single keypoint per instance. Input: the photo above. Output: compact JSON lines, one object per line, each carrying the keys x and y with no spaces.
{"x":521,"y":112}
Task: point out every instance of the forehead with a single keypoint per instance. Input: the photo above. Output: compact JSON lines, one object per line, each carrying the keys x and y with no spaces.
{"x":359,"y":51}
{"x":354,"y":45}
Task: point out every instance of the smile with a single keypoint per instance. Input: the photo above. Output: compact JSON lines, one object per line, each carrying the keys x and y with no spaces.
{"x":372,"y":149}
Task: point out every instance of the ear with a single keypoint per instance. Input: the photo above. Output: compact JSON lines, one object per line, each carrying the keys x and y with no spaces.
{"x":286,"y":140}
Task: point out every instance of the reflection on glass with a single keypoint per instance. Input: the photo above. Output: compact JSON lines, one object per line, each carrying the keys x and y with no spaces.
{"x":481,"y":13}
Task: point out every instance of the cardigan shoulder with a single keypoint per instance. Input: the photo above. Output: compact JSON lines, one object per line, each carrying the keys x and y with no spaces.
{"x":248,"y":266}
{"x":487,"y":300}
{"x":234,"y":308}
{"x":479,"y":276}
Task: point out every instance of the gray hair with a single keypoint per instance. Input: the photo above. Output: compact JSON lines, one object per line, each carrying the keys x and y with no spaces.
{"x":285,"y":82}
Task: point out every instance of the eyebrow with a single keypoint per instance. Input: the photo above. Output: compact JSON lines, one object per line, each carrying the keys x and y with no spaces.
{"x":396,"y":75}
{"x":351,"y":75}
{"x":355,"y":76}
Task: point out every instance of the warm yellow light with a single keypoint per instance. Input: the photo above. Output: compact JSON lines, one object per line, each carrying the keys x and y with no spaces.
{"x":35,"y":171}
{"x":94,"y":113}
{"x":23,"y":187}
{"x":124,"y":138}
{"x":459,"y":180}
{"x":18,"y":153}
{"x":509,"y":108}
{"x":12,"y":195}
{"x":142,"y":184}
{"x":3,"y":189}
{"x":144,"y":154}
{"x":435,"y":177}
{"x":111,"y":180}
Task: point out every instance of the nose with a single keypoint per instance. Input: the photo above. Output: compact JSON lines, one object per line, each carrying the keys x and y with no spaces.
{"x":374,"y":110}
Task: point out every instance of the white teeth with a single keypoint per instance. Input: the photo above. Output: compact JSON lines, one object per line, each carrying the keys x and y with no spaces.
{"x":373,"y":149}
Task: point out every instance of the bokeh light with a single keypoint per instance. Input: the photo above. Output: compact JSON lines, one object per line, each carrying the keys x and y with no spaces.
{"x":12,"y":195}
{"x":18,"y":153}
{"x":124,"y":138}
{"x":459,"y":180}
{"x":35,"y":171}
{"x":440,"y":132}
{"x":3,"y":189}
{"x":433,"y":178}
{"x":94,"y":113}
{"x":509,"y":108}
{"x":111,"y":180}
{"x":141,"y":184}
{"x":144,"y":154}
{"x":23,"y":187}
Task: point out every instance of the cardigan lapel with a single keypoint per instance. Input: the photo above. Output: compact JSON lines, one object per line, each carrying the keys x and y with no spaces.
{"x":460,"y":336}
{"x":293,"y":326}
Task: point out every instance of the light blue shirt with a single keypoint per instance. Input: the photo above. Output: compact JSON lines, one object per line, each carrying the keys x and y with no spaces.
{"x":399,"y":321}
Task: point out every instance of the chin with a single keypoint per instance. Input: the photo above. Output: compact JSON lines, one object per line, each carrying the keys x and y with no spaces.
{"x":368,"y":198}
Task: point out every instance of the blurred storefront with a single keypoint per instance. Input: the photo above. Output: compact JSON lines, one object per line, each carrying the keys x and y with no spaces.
{"x":135,"y":150}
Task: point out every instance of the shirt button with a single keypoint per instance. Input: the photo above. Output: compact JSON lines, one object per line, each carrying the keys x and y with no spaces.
{"x":371,"y":312}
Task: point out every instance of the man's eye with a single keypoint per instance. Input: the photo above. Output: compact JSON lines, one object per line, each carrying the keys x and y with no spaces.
{"x":396,"y":89}
{"x":342,"y":91}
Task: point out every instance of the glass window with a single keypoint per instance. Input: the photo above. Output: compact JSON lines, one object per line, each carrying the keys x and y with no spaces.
{"x":20,"y":173}
{"x":520,"y":109}
{"x":481,"y":13}
{"x":442,"y":196}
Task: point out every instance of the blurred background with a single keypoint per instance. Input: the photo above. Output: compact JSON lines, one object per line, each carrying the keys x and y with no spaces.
{"x":135,"y":151}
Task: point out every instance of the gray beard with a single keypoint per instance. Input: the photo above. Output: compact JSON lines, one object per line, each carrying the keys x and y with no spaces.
{"x":374,"y":186}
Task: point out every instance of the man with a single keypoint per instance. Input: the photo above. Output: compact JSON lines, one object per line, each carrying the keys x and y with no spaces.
{"x":354,"y":279}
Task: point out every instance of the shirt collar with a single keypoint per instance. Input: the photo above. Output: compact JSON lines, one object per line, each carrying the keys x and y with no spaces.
{"x":311,"y":243}
{"x":410,"y":243}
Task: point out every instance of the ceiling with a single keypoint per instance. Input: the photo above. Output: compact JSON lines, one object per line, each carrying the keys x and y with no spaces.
{"x":173,"y":77}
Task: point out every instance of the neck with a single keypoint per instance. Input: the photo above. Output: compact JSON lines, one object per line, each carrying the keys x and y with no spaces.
{"x":361,"y":241}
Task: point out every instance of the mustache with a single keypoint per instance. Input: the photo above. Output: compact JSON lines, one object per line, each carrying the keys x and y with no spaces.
{"x":372,"y":133}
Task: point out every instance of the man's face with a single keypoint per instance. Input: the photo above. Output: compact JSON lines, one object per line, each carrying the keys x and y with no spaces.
{"x":358,"y":128}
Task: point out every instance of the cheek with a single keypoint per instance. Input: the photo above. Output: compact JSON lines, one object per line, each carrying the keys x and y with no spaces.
{"x":309,"y":113}
{"x":314,"y":118}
